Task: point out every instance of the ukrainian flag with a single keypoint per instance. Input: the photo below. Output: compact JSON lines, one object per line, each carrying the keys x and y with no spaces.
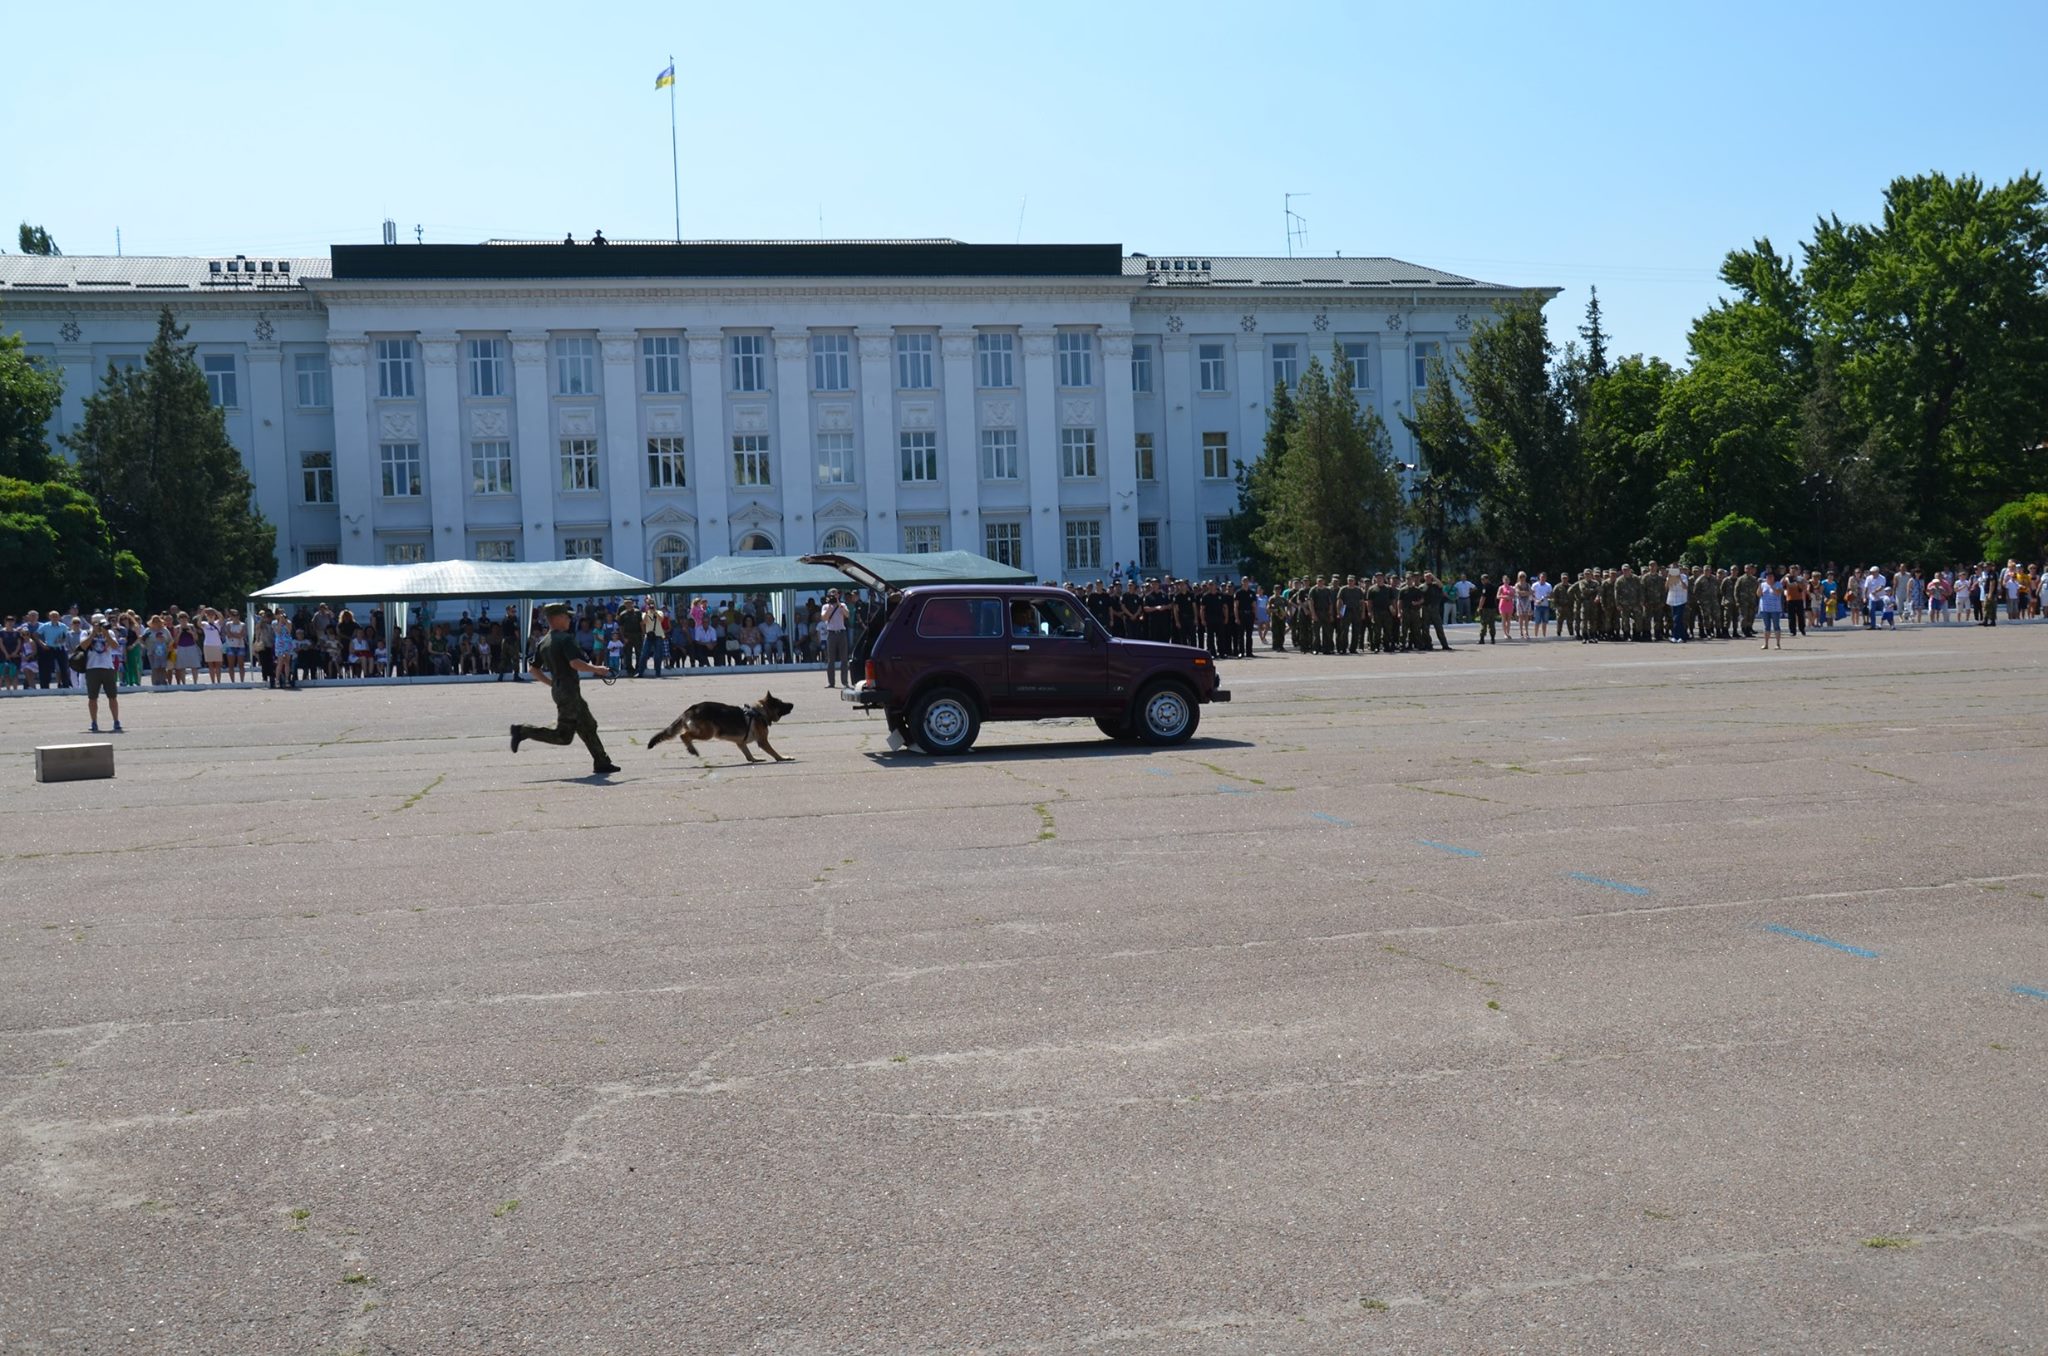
{"x":666,"y":78}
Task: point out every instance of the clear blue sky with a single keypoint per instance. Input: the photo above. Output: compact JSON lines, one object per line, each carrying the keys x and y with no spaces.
{"x":1627,"y":145}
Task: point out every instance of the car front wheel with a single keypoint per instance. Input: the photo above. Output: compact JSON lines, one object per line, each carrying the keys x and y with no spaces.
{"x":944,"y":722}
{"x":1167,"y":714}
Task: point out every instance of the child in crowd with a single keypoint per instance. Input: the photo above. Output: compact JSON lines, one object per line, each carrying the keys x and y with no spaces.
{"x":1887,"y":603}
{"x":614,"y":651}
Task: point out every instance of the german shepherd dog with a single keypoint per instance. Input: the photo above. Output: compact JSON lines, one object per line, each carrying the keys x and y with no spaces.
{"x":739,"y":725}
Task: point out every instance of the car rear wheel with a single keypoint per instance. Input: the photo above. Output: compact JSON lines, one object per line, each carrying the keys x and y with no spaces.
{"x":1167,"y":714}
{"x":1120,"y":730}
{"x":944,"y":722}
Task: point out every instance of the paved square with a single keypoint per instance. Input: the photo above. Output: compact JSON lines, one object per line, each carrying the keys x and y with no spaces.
{"x":1535,"y":998}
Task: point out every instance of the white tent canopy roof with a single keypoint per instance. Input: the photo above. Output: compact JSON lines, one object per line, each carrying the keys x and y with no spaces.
{"x":455,"y":579}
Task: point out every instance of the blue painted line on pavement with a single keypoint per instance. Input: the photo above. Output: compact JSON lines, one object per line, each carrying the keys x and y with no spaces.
{"x":1821,"y":941}
{"x":1607,"y":884}
{"x":1331,"y":819}
{"x":2030,"y":991}
{"x":1157,"y":772}
{"x":1224,"y":790}
{"x":1446,"y":847}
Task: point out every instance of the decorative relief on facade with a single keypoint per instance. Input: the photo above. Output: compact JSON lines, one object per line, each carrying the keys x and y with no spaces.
{"x":873,"y":346}
{"x":1077,"y":412}
{"x":346,"y":352}
{"x":68,"y":331}
{"x":578,"y":421}
{"x":1116,"y":343}
{"x":529,"y":350}
{"x":919,"y":415}
{"x":668,"y":515}
{"x":838,"y":508}
{"x":835,"y":418}
{"x":999,"y":414}
{"x":1248,"y":323}
{"x":264,"y":329}
{"x":790,"y":347}
{"x":956,"y":346}
{"x":618,"y":348}
{"x":439,"y":351}
{"x":750,"y":419}
{"x":1322,"y":321}
{"x":706,"y":349}
{"x":1393,"y":322}
{"x":1464,"y":322}
{"x":1038,"y":343}
{"x":664,"y":419}
{"x":488,"y":421}
{"x":1174,"y":324}
{"x":398,"y":425}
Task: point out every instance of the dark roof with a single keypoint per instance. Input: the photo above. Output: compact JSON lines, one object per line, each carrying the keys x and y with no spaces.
{"x":155,"y":273}
{"x":1220,"y":270}
{"x":789,"y":259}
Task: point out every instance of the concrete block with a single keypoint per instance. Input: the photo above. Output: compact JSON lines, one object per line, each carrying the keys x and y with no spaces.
{"x":74,"y":762}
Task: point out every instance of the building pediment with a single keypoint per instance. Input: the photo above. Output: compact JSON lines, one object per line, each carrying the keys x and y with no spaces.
{"x":839,"y":509}
{"x":755,"y":515}
{"x":669,"y":516}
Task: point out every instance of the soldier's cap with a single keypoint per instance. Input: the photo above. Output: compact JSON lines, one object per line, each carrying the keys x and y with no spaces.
{"x":558,"y":610}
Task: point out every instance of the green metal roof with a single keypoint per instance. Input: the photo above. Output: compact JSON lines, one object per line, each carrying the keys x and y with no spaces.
{"x":540,"y":579}
{"x":739,"y":574}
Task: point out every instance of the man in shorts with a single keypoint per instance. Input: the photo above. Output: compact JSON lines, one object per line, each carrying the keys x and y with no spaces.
{"x":103,"y":654}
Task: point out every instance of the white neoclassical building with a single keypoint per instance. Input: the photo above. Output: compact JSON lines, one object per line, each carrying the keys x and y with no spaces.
{"x":1065,"y":408}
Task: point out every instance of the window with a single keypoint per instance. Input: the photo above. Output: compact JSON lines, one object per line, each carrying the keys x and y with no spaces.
{"x":998,"y":356}
{"x":945,"y":618}
{"x":394,"y":369}
{"x":1077,"y":453}
{"x":497,"y":551}
{"x":756,"y":543}
{"x":665,"y":468}
{"x":1424,"y":352}
{"x":316,"y":477}
{"x":1148,"y":544}
{"x":575,"y":367}
{"x":400,"y":463}
{"x":1077,"y":358}
{"x":1215,"y":456}
{"x":1004,"y":543}
{"x":839,"y":539}
{"x":835,"y":459}
{"x":920,"y":456}
{"x":405,"y":552}
{"x":1141,"y":369}
{"x":1214,"y":378}
{"x":831,"y":362}
{"x":1148,"y":468}
{"x":1286,"y":366}
{"x":661,"y":364}
{"x":220,"y":380}
{"x":125,"y":362}
{"x":1214,"y":553}
{"x":749,"y":361}
{"x":583,"y":548}
{"x":490,"y":468}
{"x":579,"y":463}
{"x":920,"y":539}
{"x":671,"y":557}
{"x":487,"y":367}
{"x":1084,"y":545}
{"x":750,"y":459}
{"x":1361,"y":369}
{"x":315,"y":391}
{"x":999,"y":454}
{"x":321,"y":555}
{"x":914,"y":362}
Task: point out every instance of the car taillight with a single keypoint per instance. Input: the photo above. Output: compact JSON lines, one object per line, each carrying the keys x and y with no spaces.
{"x":871,"y":672}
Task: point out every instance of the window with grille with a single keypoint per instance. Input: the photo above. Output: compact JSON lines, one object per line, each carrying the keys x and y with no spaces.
{"x":1084,"y":545}
{"x":497,"y":551}
{"x":920,"y":538}
{"x":405,"y":552}
{"x":1148,"y":544}
{"x":1004,"y":543}
{"x":583,"y":548}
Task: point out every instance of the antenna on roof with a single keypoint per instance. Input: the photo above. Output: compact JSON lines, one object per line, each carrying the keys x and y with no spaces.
{"x":1020,"y":217}
{"x":117,"y":242}
{"x":1295,"y":222}
{"x":390,"y":231}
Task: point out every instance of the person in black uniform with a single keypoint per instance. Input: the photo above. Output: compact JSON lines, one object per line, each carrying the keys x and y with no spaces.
{"x":1380,"y":598}
{"x":1322,"y":600}
{"x":1415,"y":630}
{"x":1215,"y":618}
{"x":557,"y":660}
{"x":1245,"y":601}
{"x":1434,"y":600}
{"x":1158,"y":611}
{"x":1186,"y":616}
{"x":1350,"y":617}
{"x":1100,"y":605}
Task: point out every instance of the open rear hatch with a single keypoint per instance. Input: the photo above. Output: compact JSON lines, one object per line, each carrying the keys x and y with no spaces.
{"x":864,"y":643}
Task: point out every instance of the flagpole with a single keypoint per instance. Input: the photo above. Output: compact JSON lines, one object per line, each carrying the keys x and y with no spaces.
{"x":674,"y":164}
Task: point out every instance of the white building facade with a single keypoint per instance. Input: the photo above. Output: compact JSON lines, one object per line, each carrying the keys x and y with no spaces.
{"x":1066,"y":409}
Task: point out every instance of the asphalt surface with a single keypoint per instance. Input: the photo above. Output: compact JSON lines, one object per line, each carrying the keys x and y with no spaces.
{"x":1533,"y":998}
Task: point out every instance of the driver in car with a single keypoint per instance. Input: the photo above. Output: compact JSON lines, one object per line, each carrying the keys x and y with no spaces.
{"x":1023,"y":619}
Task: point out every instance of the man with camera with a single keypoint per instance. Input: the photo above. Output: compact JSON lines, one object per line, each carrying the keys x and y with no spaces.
{"x":99,"y":654}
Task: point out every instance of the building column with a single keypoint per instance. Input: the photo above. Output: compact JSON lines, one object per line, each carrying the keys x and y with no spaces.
{"x":447,"y":487}
{"x":963,"y":473}
{"x":269,"y":471}
{"x":74,"y":362}
{"x":538,"y":472}
{"x":710,"y":468}
{"x":878,"y":437}
{"x":625,"y":473}
{"x":795,"y":463}
{"x":1180,"y":462}
{"x":1042,"y":454}
{"x":1120,"y":445}
{"x":355,"y":452}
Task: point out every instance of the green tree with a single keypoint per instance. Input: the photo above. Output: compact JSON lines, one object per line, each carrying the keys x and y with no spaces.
{"x":1624,"y":458}
{"x":1335,"y":497}
{"x":29,"y":393}
{"x":2018,"y":530}
{"x":1257,"y":487}
{"x":1594,"y":335}
{"x":1734,"y":540}
{"x":36,"y":240}
{"x":155,"y":453}
{"x":56,"y":549}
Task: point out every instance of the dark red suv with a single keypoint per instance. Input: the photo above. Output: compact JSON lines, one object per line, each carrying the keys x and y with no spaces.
{"x":941,"y":659}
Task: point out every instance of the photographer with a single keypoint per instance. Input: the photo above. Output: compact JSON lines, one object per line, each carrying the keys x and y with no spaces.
{"x":100,"y":654}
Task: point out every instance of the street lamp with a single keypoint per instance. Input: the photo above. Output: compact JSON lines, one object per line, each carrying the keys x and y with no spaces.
{"x":1818,"y":487}
{"x":1429,"y":491}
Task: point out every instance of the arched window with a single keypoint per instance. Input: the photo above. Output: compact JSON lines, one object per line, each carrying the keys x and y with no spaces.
{"x":839,"y":539}
{"x":671,"y":557}
{"x":757,"y":543}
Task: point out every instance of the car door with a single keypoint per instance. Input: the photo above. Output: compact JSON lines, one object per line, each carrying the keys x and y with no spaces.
{"x":1059,"y":660}
{"x":966,"y":635}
